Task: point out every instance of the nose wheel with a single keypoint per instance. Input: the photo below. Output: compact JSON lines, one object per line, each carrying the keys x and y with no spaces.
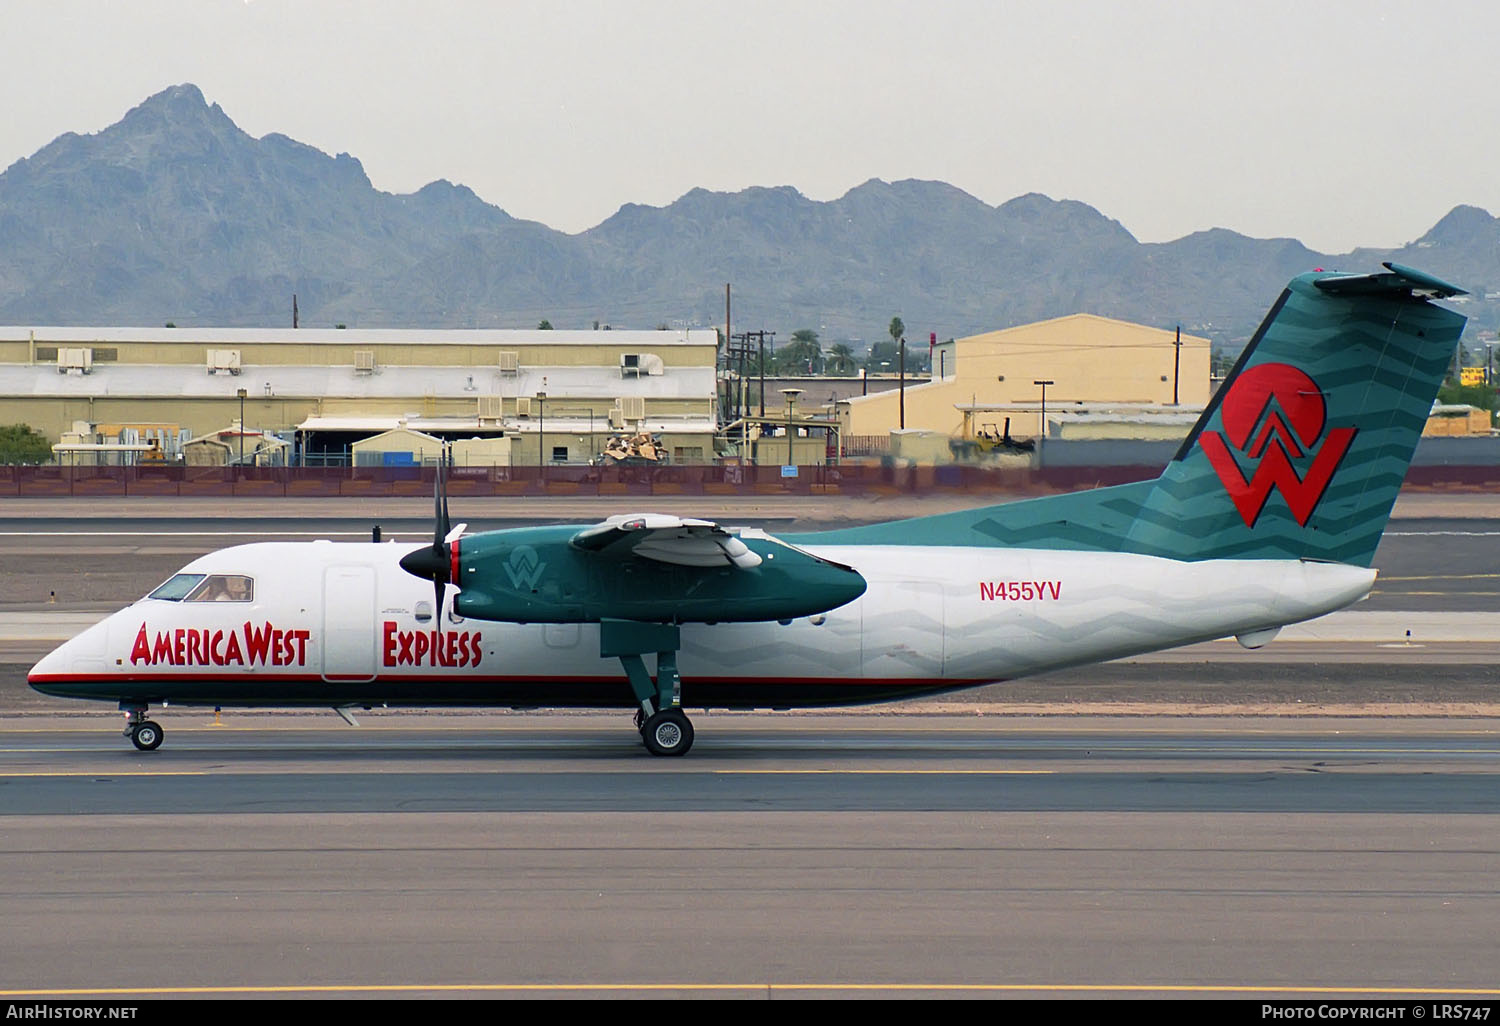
{"x":145,"y":734}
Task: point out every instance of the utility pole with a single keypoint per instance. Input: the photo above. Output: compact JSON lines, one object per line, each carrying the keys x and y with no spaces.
{"x":901,"y":364}
{"x":241,"y":393}
{"x":541,"y":436}
{"x":728,"y":340}
{"x":1176,"y":363}
{"x":760,"y":338}
{"x":742,"y":350}
{"x":762,"y":358}
{"x":791,"y":403}
{"x":1042,"y":435}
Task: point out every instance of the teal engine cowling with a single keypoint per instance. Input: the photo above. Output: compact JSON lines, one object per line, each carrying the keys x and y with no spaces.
{"x":543,"y":575}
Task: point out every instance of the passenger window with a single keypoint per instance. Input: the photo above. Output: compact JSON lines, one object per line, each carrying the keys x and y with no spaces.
{"x":223,"y":588}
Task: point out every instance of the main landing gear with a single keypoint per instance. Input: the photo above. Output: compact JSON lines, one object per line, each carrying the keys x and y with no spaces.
{"x":667,"y":732}
{"x":664,"y":727}
{"x":143,"y":733}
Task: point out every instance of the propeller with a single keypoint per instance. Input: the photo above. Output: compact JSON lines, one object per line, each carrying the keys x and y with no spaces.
{"x":437,"y":563}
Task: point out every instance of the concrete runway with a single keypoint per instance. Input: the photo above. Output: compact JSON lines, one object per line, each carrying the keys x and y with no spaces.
{"x":1322,"y":840}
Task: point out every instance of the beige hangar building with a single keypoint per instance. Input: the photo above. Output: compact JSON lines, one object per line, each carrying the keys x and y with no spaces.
{"x":512,"y":397}
{"x":1099,"y":369}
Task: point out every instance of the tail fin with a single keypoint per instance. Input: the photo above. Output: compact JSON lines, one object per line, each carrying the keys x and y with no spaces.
{"x":1301,"y":453}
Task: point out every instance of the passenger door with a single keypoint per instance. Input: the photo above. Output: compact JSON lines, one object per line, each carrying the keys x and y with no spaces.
{"x":348,"y":623}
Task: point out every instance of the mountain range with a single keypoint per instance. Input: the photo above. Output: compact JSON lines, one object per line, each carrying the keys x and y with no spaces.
{"x":175,"y":214}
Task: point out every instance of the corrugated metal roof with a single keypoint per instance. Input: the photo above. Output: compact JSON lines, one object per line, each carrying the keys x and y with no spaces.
{"x":188,"y":381}
{"x":499,"y":337}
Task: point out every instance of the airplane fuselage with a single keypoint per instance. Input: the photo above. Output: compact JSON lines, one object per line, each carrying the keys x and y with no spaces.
{"x":341,"y":624}
{"x":1268,"y":514}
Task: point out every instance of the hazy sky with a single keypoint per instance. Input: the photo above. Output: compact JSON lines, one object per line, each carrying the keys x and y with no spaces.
{"x":1337,"y":122}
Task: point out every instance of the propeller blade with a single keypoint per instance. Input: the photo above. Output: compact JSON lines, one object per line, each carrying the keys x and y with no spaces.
{"x":435,"y":564}
{"x":444,"y":525}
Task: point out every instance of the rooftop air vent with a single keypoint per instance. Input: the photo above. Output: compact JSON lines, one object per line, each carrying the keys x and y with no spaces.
{"x":223,"y":361}
{"x":75,"y":361}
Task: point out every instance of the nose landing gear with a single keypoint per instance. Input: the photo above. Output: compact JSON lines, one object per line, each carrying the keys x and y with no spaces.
{"x":145,"y":734}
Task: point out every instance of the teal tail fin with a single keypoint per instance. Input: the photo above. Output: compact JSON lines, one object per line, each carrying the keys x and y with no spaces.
{"x":1299,"y":455}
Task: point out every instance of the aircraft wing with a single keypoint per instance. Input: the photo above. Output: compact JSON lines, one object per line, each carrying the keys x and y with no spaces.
{"x":667,"y":539}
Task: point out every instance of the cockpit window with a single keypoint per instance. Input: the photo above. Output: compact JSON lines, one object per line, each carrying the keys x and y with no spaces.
{"x":223,"y":588}
{"x":177,"y":587}
{"x":207,"y":588}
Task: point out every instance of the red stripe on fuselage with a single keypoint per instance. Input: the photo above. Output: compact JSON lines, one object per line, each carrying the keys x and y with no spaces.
{"x":282,"y":678}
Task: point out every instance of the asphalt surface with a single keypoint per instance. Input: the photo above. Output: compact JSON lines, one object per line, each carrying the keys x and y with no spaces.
{"x":914,"y":857}
{"x":761,"y":763}
{"x":1331,"y":835}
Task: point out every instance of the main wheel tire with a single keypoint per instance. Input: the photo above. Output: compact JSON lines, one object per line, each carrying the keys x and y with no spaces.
{"x":146,"y":736}
{"x":669,"y":732}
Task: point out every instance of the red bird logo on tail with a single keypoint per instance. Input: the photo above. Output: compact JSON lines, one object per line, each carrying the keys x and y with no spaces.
{"x":1275,"y":413}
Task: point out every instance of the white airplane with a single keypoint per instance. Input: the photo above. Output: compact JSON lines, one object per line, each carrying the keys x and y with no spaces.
{"x":1269,"y":514}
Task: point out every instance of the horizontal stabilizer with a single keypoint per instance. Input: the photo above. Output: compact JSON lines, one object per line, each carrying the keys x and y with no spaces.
{"x":1399,"y":280}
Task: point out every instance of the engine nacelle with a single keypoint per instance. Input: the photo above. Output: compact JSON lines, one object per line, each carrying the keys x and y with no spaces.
{"x":534,"y":575}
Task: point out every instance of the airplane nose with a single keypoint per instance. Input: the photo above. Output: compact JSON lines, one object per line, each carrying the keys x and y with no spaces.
{"x":50,"y":669}
{"x":83,"y":654}
{"x":50,"y":663}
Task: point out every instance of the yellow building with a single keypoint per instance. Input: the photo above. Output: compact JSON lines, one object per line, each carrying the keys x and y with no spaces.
{"x":1085,"y":360}
{"x":1456,"y":419}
